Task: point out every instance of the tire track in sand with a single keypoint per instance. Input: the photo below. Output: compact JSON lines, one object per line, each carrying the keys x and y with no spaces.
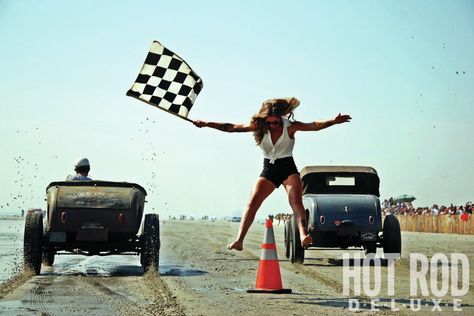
{"x":41,"y":296}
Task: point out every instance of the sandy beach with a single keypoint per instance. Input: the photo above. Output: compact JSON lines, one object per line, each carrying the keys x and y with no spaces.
{"x":198,"y":276}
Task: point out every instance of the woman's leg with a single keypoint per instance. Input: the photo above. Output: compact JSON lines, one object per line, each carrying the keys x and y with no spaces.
{"x":262,"y":189}
{"x":294,"y":189}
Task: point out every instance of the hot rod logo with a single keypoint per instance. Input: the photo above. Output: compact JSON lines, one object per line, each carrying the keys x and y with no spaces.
{"x":435,"y":277}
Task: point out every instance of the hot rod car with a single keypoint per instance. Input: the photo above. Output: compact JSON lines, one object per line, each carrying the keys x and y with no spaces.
{"x":342,"y":210}
{"x":91,"y":218}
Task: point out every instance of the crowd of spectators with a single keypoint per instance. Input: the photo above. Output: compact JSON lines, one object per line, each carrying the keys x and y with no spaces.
{"x":407,"y":209}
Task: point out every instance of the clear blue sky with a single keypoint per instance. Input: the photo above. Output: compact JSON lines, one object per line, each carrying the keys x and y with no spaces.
{"x":404,"y":70}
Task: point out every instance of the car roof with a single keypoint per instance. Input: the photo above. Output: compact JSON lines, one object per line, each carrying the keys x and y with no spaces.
{"x":336,"y":169}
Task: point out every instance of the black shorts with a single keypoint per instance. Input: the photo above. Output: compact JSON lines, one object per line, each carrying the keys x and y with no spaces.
{"x":279,"y":171}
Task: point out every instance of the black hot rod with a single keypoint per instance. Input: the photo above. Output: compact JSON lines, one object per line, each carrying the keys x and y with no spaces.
{"x":342,"y":210}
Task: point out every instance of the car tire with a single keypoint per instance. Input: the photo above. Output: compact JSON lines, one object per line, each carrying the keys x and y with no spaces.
{"x":297,"y":251}
{"x":33,"y":242}
{"x":392,"y":241}
{"x":287,"y":238}
{"x":150,"y":254}
{"x":48,"y":257}
{"x":370,"y":248}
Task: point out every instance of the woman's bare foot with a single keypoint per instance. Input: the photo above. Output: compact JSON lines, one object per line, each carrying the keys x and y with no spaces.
{"x":237,"y":245}
{"x":306,"y":241}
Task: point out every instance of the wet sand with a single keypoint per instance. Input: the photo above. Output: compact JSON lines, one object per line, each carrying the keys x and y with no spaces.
{"x":11,"y":245}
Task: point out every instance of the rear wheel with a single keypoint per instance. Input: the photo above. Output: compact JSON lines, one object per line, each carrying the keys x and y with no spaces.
{"x":33,"y":242}
{"x":150,"y":255}
{"x":392,"y":240}
{"x":297,"y":251}
{"x":287,"y":238}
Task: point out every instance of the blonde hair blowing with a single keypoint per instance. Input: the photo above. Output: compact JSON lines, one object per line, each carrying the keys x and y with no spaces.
{"x":278,"y":107}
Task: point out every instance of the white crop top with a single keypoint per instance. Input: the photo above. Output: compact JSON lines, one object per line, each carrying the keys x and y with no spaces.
{"x":283,"y":147}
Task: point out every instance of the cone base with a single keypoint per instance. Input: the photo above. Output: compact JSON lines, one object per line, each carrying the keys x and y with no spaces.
{"x":281,"y":291}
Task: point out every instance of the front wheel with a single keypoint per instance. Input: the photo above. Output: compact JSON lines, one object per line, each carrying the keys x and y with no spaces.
{"x":370,"y":248}
{"x":297,"y":251}
{"x":48,"y":257}
{"x":150,"y":254}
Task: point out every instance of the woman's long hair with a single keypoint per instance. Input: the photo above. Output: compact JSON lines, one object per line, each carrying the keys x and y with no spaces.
{"x":278,"y":107}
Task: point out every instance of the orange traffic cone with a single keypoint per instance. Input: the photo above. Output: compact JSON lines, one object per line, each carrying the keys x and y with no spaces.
{"x":268,"y":275}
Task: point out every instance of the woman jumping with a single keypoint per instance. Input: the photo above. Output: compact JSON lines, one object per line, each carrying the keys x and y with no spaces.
{"x":274,"y":131}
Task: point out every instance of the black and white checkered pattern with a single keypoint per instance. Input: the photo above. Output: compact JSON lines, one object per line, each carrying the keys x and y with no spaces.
{"x":166,"y":81}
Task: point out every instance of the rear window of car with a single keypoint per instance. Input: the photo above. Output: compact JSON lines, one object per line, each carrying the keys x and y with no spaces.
{"x":346,"y":181}
{"x":341,"y":183}
{"x":94,"y":197}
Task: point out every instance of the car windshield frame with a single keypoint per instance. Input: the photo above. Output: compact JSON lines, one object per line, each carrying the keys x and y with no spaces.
{"x":94,"y":197}
{"x":94,"y":194}
{"x":364,"y":183}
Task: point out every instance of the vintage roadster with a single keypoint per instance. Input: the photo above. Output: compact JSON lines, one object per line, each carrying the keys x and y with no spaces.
{"x":342,"y":210}
{"x":91,"y":218}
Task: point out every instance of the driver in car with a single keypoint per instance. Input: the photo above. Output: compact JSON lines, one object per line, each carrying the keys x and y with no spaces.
{"x":82,"y":168}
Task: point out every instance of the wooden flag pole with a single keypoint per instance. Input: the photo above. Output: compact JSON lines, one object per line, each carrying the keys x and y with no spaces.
{"x":156,"y":106}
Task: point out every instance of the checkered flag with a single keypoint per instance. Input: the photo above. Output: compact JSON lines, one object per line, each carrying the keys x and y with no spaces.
{"x":167,"y":82}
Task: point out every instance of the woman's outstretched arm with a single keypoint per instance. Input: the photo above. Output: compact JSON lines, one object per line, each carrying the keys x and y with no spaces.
{"x":318,"y":125}
{"x":225,"y":127}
